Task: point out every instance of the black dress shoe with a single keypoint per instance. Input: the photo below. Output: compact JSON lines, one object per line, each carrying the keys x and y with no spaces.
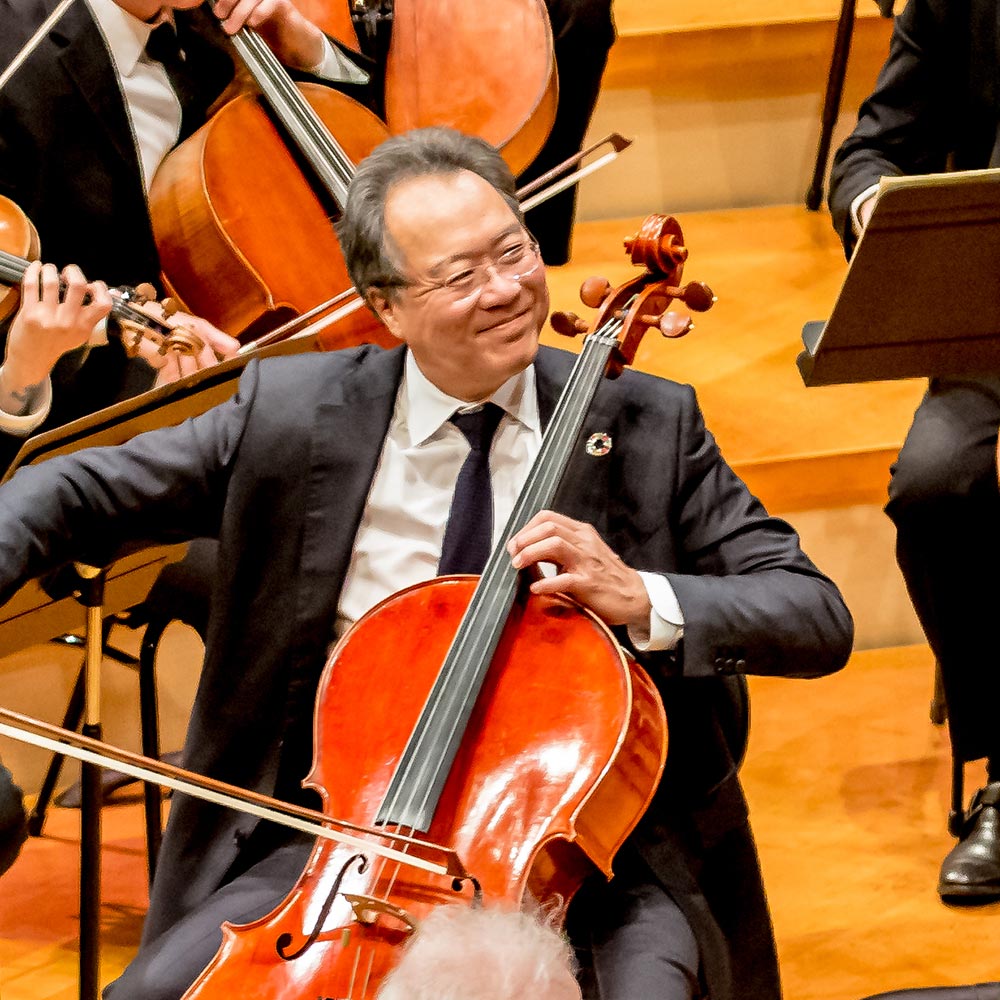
{"x":971,"y":871}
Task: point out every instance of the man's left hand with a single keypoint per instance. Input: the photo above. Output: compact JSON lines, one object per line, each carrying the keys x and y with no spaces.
{"x":587,"y":569}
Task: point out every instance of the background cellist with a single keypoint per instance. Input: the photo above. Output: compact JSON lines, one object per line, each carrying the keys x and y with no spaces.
{"x":85,"y":122}
{"x":358,"y":508}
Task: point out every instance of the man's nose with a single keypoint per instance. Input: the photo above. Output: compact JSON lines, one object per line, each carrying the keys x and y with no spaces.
{"x":497,"y":287}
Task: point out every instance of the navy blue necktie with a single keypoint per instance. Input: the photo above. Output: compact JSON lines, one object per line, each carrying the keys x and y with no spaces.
{"x":469,"y":531}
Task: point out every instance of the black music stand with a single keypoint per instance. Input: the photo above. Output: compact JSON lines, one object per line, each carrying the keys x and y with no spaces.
{"x":921,"y":296}
{"x":32,"y":616}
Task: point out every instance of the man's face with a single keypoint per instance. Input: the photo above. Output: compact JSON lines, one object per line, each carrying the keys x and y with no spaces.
{"x":438,"y":227}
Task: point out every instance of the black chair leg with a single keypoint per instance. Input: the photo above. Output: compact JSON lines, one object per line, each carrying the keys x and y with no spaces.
{"x":957,"y":813}
{"x":939,"y":707}
{"x":71,"y":720}
{"x":150,"y":725}
{"x":831,"y":102}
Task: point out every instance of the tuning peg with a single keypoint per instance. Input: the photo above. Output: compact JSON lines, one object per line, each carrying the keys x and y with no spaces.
{"x":698,"y":296}
{"x":144,"y":292}
{"x":169,"y":305}
{"x":594,"y":291}
{"x":671,"y":324}
{"x":568,"y":324}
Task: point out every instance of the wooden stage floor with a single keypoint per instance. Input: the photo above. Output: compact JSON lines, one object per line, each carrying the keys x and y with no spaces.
{"x":848,"y":786}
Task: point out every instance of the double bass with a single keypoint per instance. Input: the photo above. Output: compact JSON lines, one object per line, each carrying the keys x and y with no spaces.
{"x":519,"y":735}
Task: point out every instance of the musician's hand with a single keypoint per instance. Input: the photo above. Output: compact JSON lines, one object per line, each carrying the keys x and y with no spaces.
{"x":170,"y":366}
{"x":50,"y":322}
{"x":295,"y":40}
{"x":587,"y":569}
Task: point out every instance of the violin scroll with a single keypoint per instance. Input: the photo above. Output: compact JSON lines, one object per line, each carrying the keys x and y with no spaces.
{"x":144,"y":319}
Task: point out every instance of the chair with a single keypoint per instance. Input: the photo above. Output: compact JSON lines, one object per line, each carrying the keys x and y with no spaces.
{"x":181,"y":592}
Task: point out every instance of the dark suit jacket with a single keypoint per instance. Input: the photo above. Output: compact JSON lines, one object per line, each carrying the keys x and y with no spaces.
{"x":936,"y":104}
{"x":281,"y":474}
{"x":68,"y":159}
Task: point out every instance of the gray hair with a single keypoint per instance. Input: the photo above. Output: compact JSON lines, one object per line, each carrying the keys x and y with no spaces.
{"x":421,"y":153}
{"x":490,"y":954}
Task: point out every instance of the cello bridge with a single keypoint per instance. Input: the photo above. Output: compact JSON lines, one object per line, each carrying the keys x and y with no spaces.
{"x":369,"y":910}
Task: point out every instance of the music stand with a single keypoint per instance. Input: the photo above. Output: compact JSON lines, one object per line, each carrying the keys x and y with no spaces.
{"x":33,"y":616}
{"x":921,"y":296}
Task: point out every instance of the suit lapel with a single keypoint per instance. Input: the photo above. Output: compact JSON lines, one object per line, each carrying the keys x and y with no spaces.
{"x":584,"y":491}
{"x":86,"y":61}
{"x":348,"y":433}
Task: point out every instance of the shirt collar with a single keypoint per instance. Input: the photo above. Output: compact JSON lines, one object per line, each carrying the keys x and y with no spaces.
{"x":124,"y":33}
{"x":427,"y":408}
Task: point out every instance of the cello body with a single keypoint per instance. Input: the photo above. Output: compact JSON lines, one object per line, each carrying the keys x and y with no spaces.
{"x":245,"y":240}
{"x":487,"y":69}
{"x":561,"y":756}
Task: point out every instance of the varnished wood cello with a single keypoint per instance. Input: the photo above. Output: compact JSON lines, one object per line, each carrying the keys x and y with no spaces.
{"x":517,"y":733}
{"x":244,"y":232}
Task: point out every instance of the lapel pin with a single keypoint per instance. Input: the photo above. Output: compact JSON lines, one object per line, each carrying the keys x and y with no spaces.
{"x":598,"y":444}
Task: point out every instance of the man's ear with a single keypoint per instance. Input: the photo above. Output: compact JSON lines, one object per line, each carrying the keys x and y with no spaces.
{"x":385,"y":309}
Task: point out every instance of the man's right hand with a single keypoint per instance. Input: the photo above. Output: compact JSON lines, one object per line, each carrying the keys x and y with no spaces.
{"x":51,"y":321}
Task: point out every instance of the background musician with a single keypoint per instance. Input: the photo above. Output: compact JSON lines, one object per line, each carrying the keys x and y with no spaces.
{"x":936,"y":105}
{"x":351,"y":459}
{"x":583,"y":32}
{"x":84,"y":124}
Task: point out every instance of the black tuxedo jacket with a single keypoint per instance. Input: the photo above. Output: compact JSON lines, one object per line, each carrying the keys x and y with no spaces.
{"x":936,"y":104}
{"x":280,"y":475}
{"x":68,"y":159}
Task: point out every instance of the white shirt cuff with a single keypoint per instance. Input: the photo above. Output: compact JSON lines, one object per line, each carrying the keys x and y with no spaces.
{"x":666,"y":621}
{"x":336,"y":67}
{"x":38,"y":409}
{"x":868,"y":192}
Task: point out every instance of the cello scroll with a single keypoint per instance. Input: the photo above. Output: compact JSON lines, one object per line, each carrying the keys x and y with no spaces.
{"x":642,"y":302}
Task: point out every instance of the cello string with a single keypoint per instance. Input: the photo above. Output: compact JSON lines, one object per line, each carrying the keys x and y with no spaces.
{"x":296,"y":114}
{"x":475,"y":637}
{"x":454,"y":693}
{"x":455,"y":687}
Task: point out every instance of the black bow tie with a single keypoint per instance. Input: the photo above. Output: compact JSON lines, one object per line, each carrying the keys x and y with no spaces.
{"x":163,"y":46}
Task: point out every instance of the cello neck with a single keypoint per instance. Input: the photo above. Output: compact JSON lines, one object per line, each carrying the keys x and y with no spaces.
{"x":413,"y":794}
{"x":311,"y":137}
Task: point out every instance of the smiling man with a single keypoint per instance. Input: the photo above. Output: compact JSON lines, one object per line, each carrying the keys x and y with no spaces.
{"x":333,"y":481}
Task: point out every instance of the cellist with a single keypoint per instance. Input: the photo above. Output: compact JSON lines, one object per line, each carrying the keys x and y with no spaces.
{"x":358,"y":466}
{"x":84,"y":123}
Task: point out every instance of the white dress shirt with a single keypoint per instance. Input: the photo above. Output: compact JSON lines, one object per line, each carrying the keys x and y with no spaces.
{"x":401,"y":532}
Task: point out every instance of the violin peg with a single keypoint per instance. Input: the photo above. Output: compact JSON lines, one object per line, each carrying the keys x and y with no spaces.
{"x":169,"y":305}
{"x":568,"y":324}
{"x":144,"y":292}
{"x":594,"y":291}
{"x":698,"y":296}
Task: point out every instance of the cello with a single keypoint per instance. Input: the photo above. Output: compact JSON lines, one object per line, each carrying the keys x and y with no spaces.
{"x":264,"y":233}
{"x":518,"y":734}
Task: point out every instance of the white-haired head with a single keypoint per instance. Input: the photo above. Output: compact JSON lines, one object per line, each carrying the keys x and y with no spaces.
{"x":460,"y":953}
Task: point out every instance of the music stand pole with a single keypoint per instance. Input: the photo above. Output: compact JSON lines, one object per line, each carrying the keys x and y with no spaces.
{"x":91,"y":596}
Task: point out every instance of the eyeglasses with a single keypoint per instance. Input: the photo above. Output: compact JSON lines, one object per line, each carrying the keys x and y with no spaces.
{"x":515,"y":262}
